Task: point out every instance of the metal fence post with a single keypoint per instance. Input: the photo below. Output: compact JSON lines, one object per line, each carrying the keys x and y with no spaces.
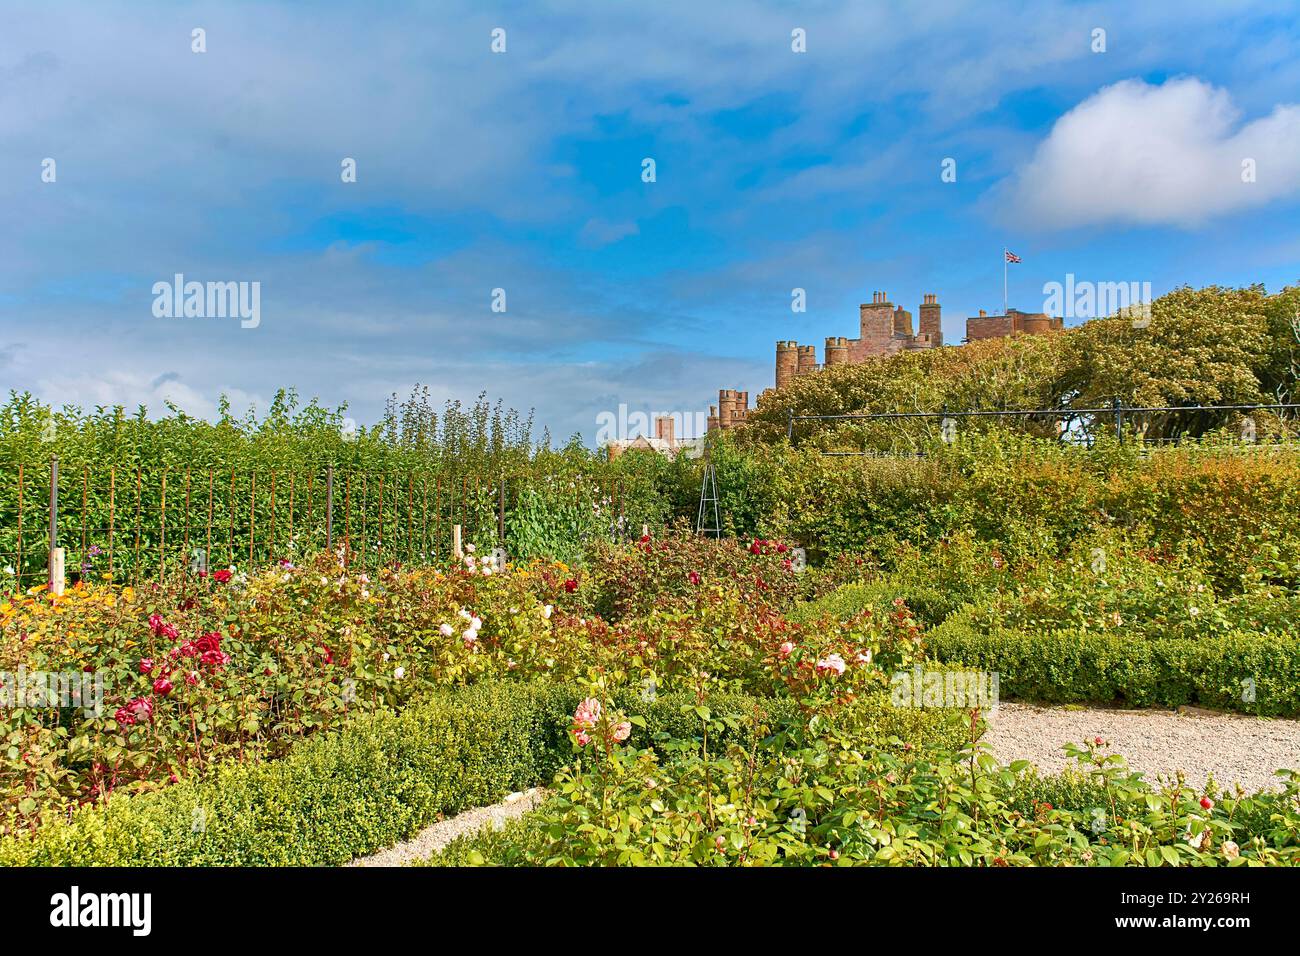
{"x":1119,"y":420}
{"x":329,"y":508}
{"x":501,"y":513}
{"x":789,"y":425}
{"x":56,"y":553}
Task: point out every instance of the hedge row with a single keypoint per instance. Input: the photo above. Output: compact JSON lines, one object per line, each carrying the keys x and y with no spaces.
{"x":331,"y":798}
{"x":1240,"y":671}
{"x":380,"y":779}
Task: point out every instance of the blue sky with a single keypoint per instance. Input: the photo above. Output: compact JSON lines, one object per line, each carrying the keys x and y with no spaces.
{"x":522,"y":171}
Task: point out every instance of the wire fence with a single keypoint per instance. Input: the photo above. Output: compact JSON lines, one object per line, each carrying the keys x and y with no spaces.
{"x":887,"y":434}
{"x":130,"y":524}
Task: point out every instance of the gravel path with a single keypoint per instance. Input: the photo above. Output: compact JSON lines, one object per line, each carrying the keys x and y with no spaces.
{"x":433,"y":838}
{"x":1237,"y":749}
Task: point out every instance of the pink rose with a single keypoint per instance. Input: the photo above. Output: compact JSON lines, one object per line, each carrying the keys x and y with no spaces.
{"x":588,"y":713}
{"x":582,"y":738}
{"x":622,"y":731}
{"x":785,"y":650}
{"x":831,"y":662}
{"x":162,"y":686}
{"x":146,"y":665}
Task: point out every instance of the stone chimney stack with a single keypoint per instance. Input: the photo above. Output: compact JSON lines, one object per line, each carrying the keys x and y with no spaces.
{"x":664,"y":429}
{"x":931,"y":323}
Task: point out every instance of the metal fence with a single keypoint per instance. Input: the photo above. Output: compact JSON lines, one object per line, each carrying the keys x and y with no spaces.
{"x":128,"y":524}
{"x":1147,"y":425}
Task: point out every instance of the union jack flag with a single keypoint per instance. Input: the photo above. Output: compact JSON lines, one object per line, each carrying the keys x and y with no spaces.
{"x":1011,"y":256}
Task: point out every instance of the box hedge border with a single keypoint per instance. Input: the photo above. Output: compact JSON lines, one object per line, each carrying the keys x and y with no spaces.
{"x":380,"y":779}
{"x":1066,"y":666}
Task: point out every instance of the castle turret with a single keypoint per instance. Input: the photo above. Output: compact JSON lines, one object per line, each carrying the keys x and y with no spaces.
{"x":733,"y":407}
{"x":837,"y":350}
{"x":787,"y":363}
{"x":931,"y":325}
{"x":807,"y":359}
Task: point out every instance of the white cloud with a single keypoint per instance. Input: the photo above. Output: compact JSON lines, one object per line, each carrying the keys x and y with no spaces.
{"x":1156,"y":155}
{"x":597,"y":232}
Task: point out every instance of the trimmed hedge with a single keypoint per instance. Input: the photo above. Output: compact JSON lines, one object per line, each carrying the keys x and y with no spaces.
{"x":333,"y":797}
{"x":1065,"y":666}
{"x":385,"y":776}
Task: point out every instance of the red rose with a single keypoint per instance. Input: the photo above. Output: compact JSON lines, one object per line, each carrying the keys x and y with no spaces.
{"x":571,"y":585}
{"x":221,"y":576}
{"x":645,"y":538}
{"x":192,"y":678}
{"x":215,"y":658}
{"x":123,"y":717}
{"x":162,"y":686}
{"x":140,"y":709}
{"x":146,"y":665}
{"x":694,"y":577}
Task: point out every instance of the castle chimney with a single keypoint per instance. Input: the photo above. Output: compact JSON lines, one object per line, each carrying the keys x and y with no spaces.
{"x":931,"y":319}
{"x":664,"y":429}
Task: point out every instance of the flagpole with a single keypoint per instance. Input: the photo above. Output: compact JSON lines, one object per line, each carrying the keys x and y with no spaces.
{"x":1004,"y":282}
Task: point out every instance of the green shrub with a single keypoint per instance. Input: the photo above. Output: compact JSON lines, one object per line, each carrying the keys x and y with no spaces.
{"x":929,"y":605}
{"x":332,"y":798}
{"x":1239,"y":671}
{"x":386,"y":775}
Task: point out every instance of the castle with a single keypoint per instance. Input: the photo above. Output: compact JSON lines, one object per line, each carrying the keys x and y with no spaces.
{"x":883,"y":329}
